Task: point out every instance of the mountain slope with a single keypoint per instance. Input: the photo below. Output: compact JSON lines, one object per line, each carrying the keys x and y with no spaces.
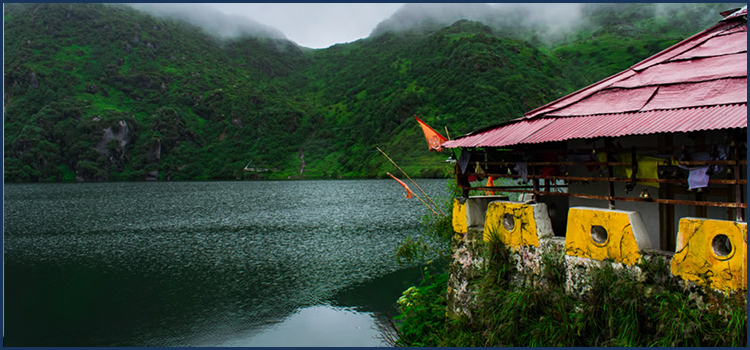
{"x":105,"y":92}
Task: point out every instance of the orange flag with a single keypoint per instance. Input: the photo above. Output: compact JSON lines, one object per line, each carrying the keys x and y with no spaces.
{"x":434,"y":139}
{"x":490,"y":183}
{"x":409,"y":193}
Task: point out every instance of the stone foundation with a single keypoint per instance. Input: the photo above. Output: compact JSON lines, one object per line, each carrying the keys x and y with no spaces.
{"x":534,"y":251}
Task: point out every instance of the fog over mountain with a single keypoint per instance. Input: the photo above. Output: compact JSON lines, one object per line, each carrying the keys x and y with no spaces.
{"x":496,"y":15}
{"x":323,"y":25}
{"x":211,"y":20}
{"x":550,"y":22}
{"x":198,"y":108}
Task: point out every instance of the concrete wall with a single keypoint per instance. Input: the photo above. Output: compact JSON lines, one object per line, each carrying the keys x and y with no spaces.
{"x":649,"y":211}
{"x":704,"y":258}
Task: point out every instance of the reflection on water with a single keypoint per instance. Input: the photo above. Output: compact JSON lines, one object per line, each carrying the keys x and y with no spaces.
{"x":210,"y":263}
{"x":312,"y":326}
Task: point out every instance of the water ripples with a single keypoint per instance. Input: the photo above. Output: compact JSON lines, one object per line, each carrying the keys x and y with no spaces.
{"x":178,"y":263}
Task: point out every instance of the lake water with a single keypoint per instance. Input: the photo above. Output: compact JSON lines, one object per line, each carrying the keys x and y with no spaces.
{"x":266,"y":263}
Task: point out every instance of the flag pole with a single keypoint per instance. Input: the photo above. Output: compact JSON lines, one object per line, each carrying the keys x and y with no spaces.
{"x":412,"y":181}
{"x":425,"y":203}
{"x":409,"y":193}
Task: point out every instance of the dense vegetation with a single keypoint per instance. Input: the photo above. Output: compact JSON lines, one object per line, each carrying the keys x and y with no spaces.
{"x":104,"y":92}
{"x":619,"y":310}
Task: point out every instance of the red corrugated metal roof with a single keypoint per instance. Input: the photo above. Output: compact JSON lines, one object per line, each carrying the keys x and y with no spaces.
{"x":697,"y":84}
{"x":640,"y":123}
{"x":614,"y":100}
{"x":719,"y":45}
{"x":512,"y":134}
{"x":694,"y":70}
{"x":705,"y":93}
{"x":524,"y":131}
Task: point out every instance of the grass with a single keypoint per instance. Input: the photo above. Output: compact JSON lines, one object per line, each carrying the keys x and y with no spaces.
{"x":619,"y":310}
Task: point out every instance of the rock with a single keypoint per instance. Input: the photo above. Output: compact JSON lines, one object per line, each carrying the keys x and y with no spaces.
{"x":128,"y":48}
{"x":121,"y":134}
{"x":155,"y":152}
{"x":136,"y":38}
{"x":152,"y":175}
{"x":34,"y":82}
{"x":148,"y":45}
{"x":237,"y":122}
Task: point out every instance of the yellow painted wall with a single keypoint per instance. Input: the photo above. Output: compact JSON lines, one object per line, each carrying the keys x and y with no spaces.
{"x":620,"y":245}
{"x":524,"y":232}
{"x":459,"y":217}
{"x":696,"y":260}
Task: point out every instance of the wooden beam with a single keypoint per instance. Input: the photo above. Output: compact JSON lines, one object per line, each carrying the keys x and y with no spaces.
{"x":618,"y":179}
{"x":625,"y":199}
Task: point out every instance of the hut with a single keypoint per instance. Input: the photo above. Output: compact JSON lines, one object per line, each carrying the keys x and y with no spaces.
{"x":654,"y":157}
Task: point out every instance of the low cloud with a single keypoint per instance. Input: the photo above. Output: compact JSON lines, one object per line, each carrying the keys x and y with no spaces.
{"x":496,"y":15}
{"x":211,"y":20}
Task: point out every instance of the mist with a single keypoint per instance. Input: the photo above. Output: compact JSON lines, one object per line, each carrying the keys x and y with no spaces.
{"x":547,"y":22}
{"x":504,"y":16}
{"x":211,"y":20}
{"x":323,"y":25}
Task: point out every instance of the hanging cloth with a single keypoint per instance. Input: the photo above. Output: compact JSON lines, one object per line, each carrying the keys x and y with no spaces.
{"x":478,"y":169}
{"x":522,"y":169}
{"x":463,"y":160}
{"x":698,"y":178}
{"x":648,"y":168}
{"x":490,"y":183}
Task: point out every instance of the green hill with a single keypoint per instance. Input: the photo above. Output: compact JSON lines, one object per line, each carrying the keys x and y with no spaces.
{"x":105,"y":92}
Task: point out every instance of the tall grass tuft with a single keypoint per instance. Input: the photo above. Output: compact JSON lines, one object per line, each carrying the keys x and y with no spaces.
{"x":621,"y":309}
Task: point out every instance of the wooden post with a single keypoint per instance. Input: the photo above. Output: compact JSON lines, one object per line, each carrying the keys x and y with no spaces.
{"x":611,"y":172}
{"x":535,"y":183}
{"x":666,"y":190}
{"x":737,"y":187}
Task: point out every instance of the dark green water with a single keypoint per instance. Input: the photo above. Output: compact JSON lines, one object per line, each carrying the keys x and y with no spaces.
{"x":293,"y":263}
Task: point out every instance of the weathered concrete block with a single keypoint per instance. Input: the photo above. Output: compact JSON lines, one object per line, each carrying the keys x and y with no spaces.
{"x":466,"y":266}
{"x":602,"y":234}
{"x":517,"y":224}
{"x":712,"y":252}
{"x":459,"y":216}
{"x":476,"y":209}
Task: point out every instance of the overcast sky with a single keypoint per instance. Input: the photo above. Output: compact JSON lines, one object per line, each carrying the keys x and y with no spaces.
{"x":320,"y":25}
{"x":315,"y":25}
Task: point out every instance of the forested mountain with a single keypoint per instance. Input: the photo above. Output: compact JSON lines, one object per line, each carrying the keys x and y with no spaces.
{"x":105,"y":92}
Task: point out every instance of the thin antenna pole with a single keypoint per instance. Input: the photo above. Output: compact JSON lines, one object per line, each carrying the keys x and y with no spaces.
{"x":412,"y":181}
{"x":409,"y":192}
{"x":425,"y":203}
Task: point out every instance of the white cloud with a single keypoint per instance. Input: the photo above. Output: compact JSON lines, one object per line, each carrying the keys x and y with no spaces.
{"x":315,"y":25}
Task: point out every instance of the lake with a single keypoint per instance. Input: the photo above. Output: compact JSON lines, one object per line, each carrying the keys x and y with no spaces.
{"x":261,"y":263}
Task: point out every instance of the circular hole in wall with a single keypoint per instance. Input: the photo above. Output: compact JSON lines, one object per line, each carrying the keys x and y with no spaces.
{"x":599,"y":234}
{"x":721,"y":245}
{"x":509,"y":222}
